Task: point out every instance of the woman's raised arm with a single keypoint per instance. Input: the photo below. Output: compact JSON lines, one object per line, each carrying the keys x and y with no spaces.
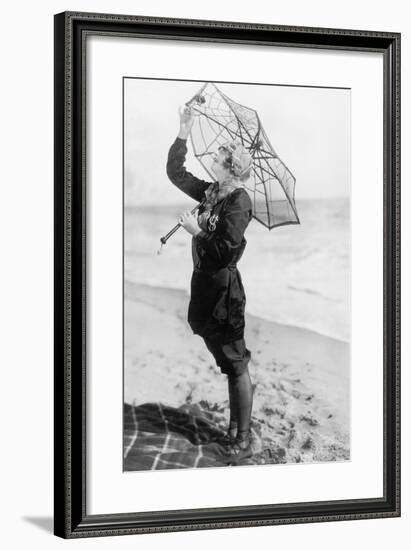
{"x":176,"y":171}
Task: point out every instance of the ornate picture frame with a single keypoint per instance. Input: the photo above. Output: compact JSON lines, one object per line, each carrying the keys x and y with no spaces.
{"x":71,"y":428}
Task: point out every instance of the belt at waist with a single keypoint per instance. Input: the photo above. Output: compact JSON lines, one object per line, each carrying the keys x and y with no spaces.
{"x":230,"y":267}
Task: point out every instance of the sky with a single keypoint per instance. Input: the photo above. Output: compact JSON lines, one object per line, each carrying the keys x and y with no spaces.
{"x":308,"y":127}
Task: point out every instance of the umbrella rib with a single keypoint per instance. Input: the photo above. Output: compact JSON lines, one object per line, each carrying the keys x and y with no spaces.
{"x":273,"y":172}
{"x":239,"y":104}
{"x":266,"y":199}
{"x":230,"y":132}
{"x":239,"y":122}
{"x":269,"y":143}
{"x":291,"y":174}
{"x":235,"y":114}
{"x":269,"y":157}
{"x":223,"y":128}
{"x":290,"y":200}
{"x":217,"y":135}
{"x":257,"y":134}
{"x":264,"y":193}
{"x":256,"y":172}
{"x":202,"y":134}
{"x":216,"y":122}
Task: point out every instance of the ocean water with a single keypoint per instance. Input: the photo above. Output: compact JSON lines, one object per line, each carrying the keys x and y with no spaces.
{"x":297,"y":275}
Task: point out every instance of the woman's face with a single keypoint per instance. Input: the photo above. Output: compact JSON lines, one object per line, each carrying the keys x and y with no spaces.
{"x":218,"y":167}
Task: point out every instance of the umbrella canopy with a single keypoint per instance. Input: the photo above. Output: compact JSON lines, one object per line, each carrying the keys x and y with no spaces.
{"x":220,"y":119}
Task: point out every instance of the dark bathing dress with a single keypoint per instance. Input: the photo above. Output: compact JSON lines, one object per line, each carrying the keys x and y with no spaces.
{"x":217,"y":304}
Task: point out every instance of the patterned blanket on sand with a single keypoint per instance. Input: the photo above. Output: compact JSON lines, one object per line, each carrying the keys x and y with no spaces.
{"x":159,"y":437}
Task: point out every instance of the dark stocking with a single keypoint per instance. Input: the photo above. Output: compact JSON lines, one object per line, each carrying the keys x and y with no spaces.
{"x":233,"y":425}
{"x":241,"y":402}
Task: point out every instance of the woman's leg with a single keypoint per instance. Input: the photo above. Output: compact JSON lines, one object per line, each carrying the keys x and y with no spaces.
{"x":233,"y":424}
{"x":241,"y":394}
{"x":233,"y":358}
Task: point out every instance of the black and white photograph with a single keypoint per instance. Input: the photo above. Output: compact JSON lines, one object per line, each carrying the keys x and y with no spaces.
{"x":202,"y":275}
{"x":236,"y":274}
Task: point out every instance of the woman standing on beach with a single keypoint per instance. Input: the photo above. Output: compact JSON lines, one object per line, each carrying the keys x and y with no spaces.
{"x":216,"y":310}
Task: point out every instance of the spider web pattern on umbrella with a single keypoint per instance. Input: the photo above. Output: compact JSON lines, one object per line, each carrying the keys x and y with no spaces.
{"x":271,"y":185}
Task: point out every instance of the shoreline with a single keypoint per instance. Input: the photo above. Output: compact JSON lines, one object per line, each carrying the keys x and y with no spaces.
{"x":251,"y":316}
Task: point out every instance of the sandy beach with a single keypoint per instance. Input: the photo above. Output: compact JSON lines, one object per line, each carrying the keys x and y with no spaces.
{"x":300,"y":378}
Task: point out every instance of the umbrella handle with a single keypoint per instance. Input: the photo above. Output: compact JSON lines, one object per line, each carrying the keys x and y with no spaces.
{"x":164,"y":239}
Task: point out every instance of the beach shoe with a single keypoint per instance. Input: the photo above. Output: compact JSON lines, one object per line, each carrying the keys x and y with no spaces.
{"x":228,"y":439}
{"x":238,"y":451}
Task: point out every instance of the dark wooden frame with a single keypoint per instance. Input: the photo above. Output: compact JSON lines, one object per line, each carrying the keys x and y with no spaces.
{"x":71,"y":519}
